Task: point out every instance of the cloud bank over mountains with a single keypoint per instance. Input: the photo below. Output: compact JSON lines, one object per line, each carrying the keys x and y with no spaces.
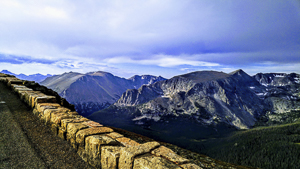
{"x":158,"y":37}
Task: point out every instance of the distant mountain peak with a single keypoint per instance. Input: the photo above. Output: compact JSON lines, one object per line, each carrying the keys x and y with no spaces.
{"x":203,"y":76}
{"x":34,"y":77}
{"x":145,"y":76}
{"x":239,"y":72}
{"x":99,"y":73}
{"x":7,"y":72}
{"x":94,"y":90}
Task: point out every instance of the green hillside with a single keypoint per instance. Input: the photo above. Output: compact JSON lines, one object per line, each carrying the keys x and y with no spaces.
{"x":264,"y":147}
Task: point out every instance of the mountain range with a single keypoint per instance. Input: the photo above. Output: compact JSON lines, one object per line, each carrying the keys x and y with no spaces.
{"x":206,"y":97}
{"x":188,"y":108}
{"x":211,"y":97}
{"x":196,"y":111}
{"x":94,"y":91}
{"x":215,"y":113}
{"x":34,"y":77}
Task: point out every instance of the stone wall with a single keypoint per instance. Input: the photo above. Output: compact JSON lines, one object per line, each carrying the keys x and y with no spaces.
{"x":96,"y":144}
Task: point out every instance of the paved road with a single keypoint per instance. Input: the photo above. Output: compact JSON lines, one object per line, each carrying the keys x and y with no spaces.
{"x":25,"y":142}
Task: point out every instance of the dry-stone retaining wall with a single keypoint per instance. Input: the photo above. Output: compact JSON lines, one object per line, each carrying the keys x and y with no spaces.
{"x":96,"y":144}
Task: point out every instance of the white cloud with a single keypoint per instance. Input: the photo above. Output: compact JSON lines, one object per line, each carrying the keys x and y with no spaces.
{"x":31,"y":68}
{"x":162,"y":60}
{"x":53,"y":13}
{"x":55,"y":68}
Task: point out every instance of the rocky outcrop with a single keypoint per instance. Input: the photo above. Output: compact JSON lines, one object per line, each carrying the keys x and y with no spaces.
{"x":208,"y":97}
{"x":281,"y":95}
{"x":139,"y":81}
{"x":95,"y":90}
{"x":277,"y":79}
{"x":98,"y":145}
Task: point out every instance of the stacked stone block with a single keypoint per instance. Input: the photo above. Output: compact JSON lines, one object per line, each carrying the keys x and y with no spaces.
{"x":96,"y":144}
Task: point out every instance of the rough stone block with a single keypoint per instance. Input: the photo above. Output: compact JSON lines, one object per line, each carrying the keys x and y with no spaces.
{"x":81,"y":117}
{"x":54,"y":129}
{"x":14,"y":81}
{"x":167,"y":153}
{"x":22,"y":95}
{"x":16,"y":88}
{"x":10,"y":78}
{"x":26,"y":96}
{"x":29,"y":83}
{"x":37,"y":113}
{"x":19,"y":90}
{"x":80,"y":135}
{"x":35,"y":94}
{"x":57,"y":117}
{"x":110,"y":157}
{"x":92,"y":150}
{"x":45,"y":99}
{"x":65,"y":122}
{"x":16,"y":85}
{"x":20,"y":87}
{"x":92,"y":124}
{"x":47,"y":113}
{"x":32,"y":98}
{"x":62,"y":133}
{"x":42,"y":98}
{"x":82,"y":153}
{"x":150,"y":161}
{"x":62,"y":129}
{"x":128,"y":154}
{"x":2,"y":79}
{"x":13,"y":86}
{"x":127,"y":142}
{"x":190,"y":166}
{"x":7,"y":79}
{"x":73,"y":113}
{"x":41,"y":107}
{"x":72,"y":129}
{"x":114,"y":135}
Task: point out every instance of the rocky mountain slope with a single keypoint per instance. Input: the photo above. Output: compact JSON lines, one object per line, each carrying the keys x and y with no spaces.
{"x":94,"y":91}
{"x":281,"y":95}
{"x":208,"y":97}
{"x":277,"y":79}
{"x":189,"y":108}
{"x":35,"y":77}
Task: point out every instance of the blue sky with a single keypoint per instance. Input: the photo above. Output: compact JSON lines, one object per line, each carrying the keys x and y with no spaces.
{"x":156,"y":37}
